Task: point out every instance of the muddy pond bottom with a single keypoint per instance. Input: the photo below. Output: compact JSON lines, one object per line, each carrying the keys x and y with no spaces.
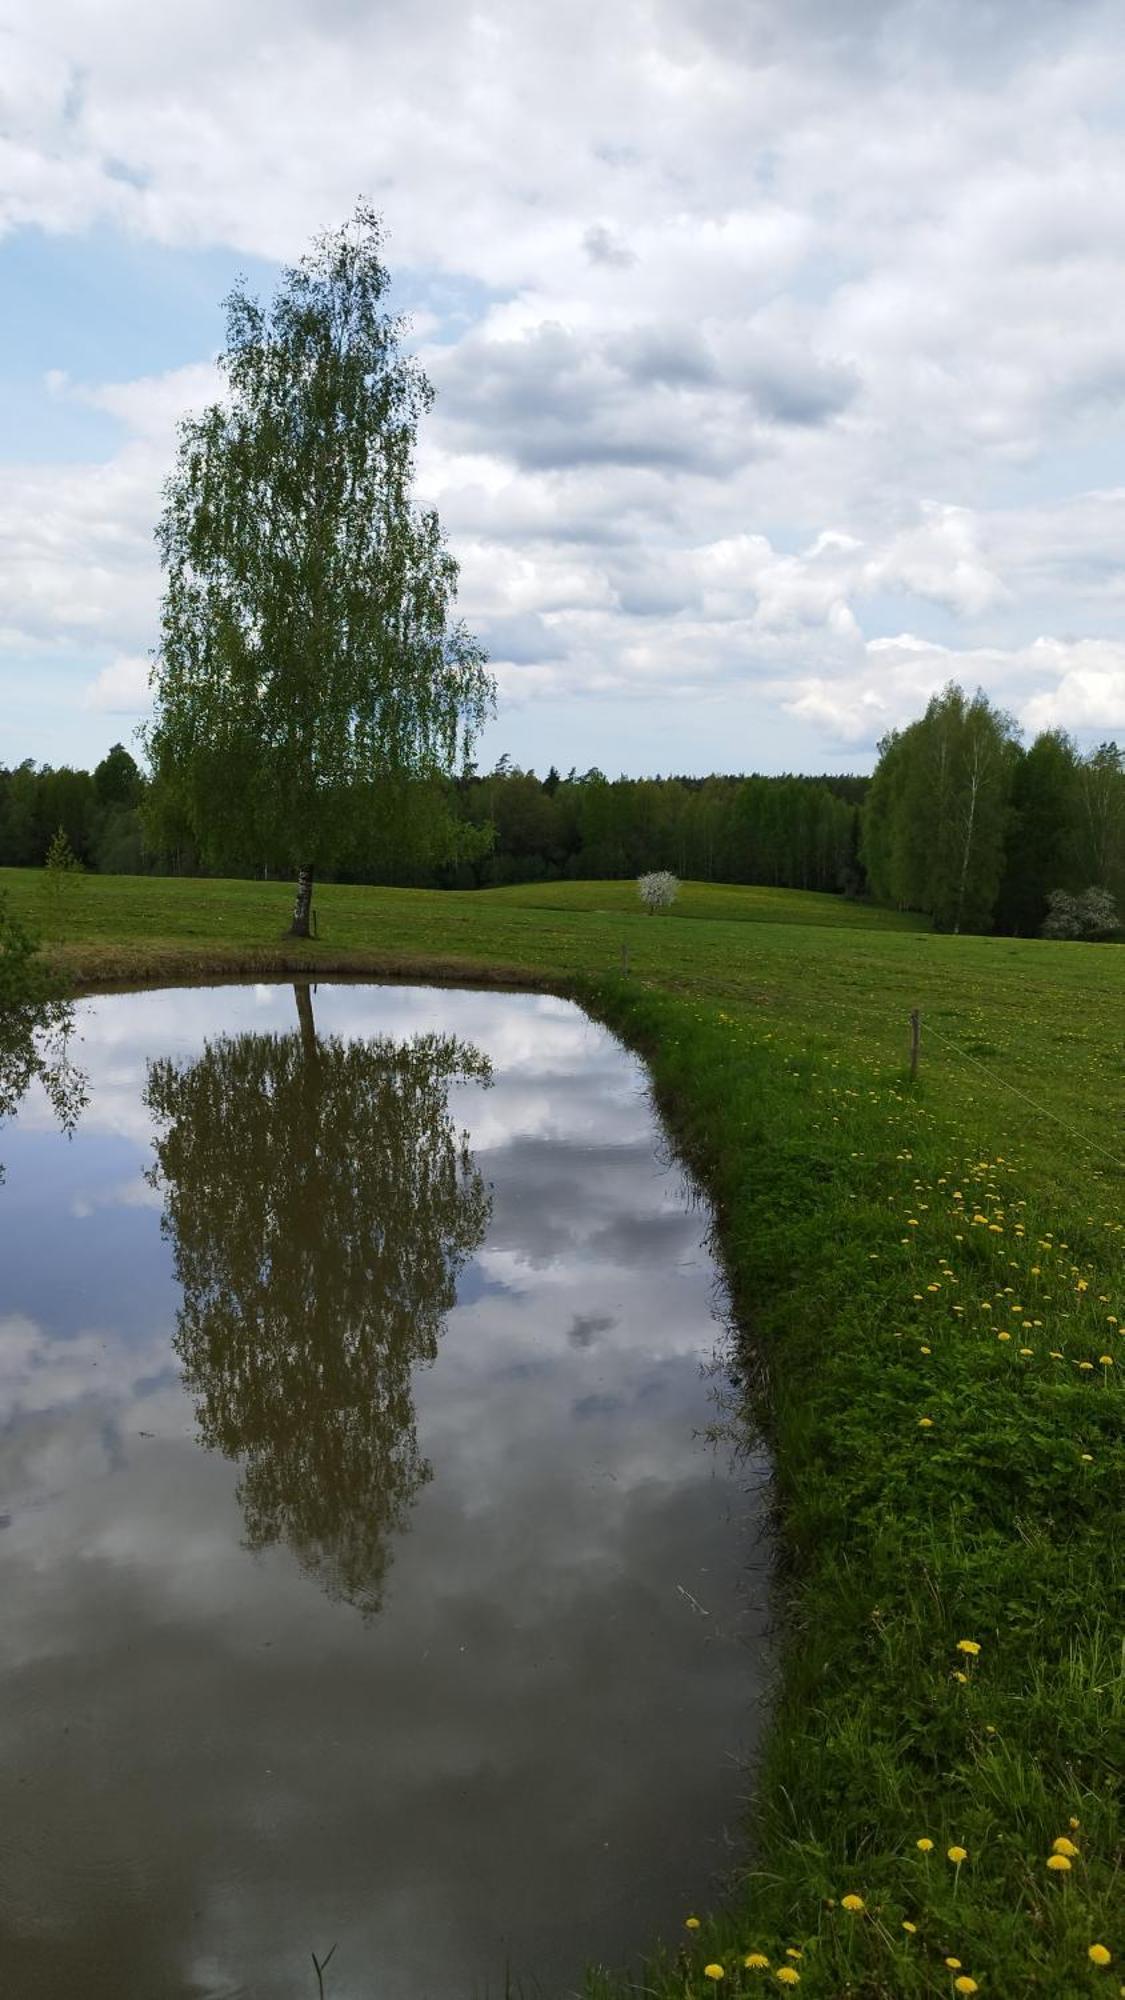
{"x":370,"y":1582}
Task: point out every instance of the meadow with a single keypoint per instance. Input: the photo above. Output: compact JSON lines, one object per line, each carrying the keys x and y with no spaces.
{"x":927,"y":1284}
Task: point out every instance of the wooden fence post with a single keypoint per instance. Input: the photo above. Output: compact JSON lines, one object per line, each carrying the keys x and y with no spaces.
{"x":915,"y":1040}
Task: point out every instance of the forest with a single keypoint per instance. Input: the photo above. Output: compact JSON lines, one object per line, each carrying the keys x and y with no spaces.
{"x":959,"y":821}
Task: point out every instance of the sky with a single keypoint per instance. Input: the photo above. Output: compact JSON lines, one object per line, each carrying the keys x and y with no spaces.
{"x":776,"y":345}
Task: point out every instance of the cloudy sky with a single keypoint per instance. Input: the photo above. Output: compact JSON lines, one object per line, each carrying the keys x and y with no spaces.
{"x":778,"y":345}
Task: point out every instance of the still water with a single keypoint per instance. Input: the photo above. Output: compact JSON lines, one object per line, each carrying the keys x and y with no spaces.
{"x":367,"y":1577}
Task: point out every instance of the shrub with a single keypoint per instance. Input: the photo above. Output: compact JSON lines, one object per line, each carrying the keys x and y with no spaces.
{"x":657,"y":891}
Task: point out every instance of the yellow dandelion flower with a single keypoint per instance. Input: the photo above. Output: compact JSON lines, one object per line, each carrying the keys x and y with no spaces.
{"x":1105,"y":1360}
{"x":713,"y":1972}
{"x":791,"y":1951}
{"x":959,"y":1676}
{"x":1074,"y":1824}
{"x":1060,"y":1863}
{"x":788,"y":1975}
{"x":908,"y":1926}
{"x":957,"y":1855}
{"x":1087,"y":1457}
{"x":852,"y":1903}
{"x":963,"y":1984}
{"x":756,"y":1961}
{"x":691,"y":1923}
{"x":954,"y":1964}
{"x":1063,"y":1846}
{"x":1027,"y":1350}
{"x":970,"y":1646}
{"x":924,"y":1846}
{"x":925,"y":1423}
{"x":1098,"y":1955}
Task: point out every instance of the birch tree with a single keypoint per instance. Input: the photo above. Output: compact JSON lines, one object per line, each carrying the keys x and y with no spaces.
{"x":310,"y":669}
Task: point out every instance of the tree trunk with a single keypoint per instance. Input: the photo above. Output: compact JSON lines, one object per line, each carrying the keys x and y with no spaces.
{"x":303,"y":905}
{"x":302,"y":994}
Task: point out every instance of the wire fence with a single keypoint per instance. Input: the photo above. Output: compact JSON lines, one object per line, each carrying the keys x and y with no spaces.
{"x":1045,"y":1111}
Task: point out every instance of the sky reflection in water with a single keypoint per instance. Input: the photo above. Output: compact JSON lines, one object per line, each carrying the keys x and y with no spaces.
{"x":422,"y":1673}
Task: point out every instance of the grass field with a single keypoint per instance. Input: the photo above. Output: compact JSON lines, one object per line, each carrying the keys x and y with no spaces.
{"x":928,"y":1283}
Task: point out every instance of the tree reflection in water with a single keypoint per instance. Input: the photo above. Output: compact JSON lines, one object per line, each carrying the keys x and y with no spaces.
{"x":320,"y":1204}
{"x":36,"y":1025}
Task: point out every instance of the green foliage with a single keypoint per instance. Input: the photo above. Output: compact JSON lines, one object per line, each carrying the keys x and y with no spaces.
{"x":962,"y":823}
{"x":36,"y":1024}
{"x":939,"y":811}
{"x":309,"y":663}
{"x":59,"y":883}
{"x":1039,"y":856}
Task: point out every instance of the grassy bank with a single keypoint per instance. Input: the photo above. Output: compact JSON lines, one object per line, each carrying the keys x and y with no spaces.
{"x":931,"y":1281}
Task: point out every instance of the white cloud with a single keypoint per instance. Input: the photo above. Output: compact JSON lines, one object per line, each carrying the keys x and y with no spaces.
{"x":1051,"y":683}
{"x":122,"y":687}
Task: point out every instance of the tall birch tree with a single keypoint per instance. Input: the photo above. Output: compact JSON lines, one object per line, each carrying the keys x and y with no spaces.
{"x":311,"y":676}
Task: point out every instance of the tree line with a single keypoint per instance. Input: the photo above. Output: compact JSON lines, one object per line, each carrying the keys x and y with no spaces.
{"x":967,"y":826}
{"x":960,"y":821}
{"x":498,"y":827}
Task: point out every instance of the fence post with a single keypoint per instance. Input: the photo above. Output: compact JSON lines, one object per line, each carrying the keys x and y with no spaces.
{"x":915,"y":1040}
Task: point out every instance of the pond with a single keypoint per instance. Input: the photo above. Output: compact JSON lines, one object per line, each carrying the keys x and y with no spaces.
{"x":369,"y":1577}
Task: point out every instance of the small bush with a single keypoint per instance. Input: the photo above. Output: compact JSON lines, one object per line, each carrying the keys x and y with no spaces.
{"x":1093,"y":914}
{"x":657,"y":891}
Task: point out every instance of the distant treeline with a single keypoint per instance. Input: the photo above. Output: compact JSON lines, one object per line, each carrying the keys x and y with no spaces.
{"x":509,"y":826}
{"x":959,"y":821}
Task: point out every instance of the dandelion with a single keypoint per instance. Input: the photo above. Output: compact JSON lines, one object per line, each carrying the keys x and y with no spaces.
{"x":1105,"y":1360}
{"x":793,"y":1952}
{"x":956,"y":1855}
{"x":954,"y":1964}
{"x":1063,"y":1846}
{"x":691,"y":1923}
{"x":1074,"y":1824}
{"x":924,"y":1846}
{"x":1060,"y":1863}
{"x":852,"y":1903}
{"x":756,"y":1961}
{"x":788,"y":1975}
{"x":713,"y":1972}
{"x":908,"y":1926}
{"x":969,"y":1646}
{"x":959,"y":1676}
{"x":1098,"y":1955}
{"x":963,"y":1984}
{"x":925,"y":1423}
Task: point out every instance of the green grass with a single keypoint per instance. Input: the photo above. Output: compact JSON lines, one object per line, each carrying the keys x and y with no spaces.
{"x":879,"y":1239}
{"x":722,"y":900}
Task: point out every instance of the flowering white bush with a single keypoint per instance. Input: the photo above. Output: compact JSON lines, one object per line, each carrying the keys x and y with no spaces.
{"x":657,"y":891}
{"x":1093,"y":914}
